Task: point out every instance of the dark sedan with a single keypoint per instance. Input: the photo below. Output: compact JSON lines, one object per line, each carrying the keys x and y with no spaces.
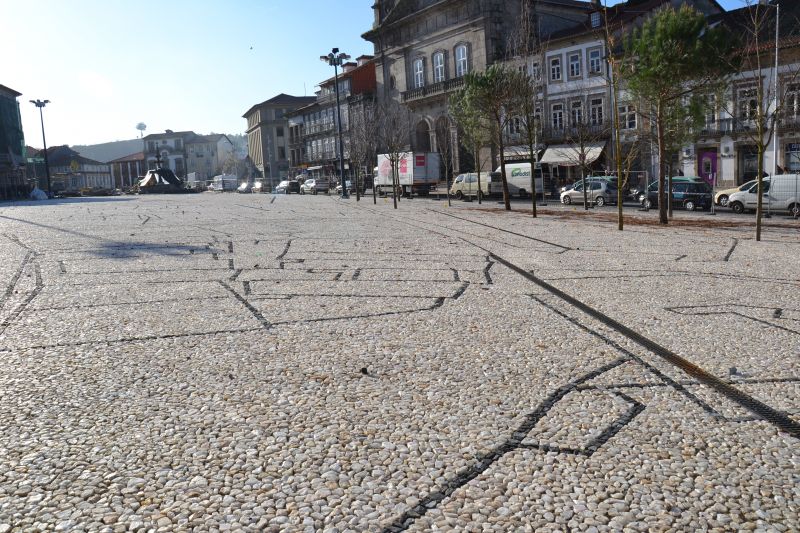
{"x":688,"y":195}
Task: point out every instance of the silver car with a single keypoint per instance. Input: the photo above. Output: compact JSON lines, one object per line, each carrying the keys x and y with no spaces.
{"x":598,"y":192}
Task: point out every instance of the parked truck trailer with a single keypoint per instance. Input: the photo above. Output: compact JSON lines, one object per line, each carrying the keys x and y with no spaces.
{"x":419,"y":172}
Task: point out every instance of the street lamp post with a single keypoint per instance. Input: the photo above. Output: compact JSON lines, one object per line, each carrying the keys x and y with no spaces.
{"x":40,"y":104}
{"x":335,"y":59}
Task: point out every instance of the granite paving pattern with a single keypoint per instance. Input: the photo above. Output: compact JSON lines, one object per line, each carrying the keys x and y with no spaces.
{"x":223,"y":362}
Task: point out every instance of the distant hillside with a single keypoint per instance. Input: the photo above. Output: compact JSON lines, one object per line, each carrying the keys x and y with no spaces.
{"x":106,"y":152}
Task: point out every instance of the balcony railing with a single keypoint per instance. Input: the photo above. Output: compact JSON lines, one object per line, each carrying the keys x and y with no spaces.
{"x":789,"y":123}
{"x":601,"y":130}
{"x":440,"y":87}
{"x":727,"y":126}
{"x":314,"y":129}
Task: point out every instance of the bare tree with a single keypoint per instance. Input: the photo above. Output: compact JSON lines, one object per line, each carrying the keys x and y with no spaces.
{"x":755,"y":102}
{"x":363,"y":133}
{"x":394,"y":132}
{"x":473,"y":128}
{"x":444,"y":145}
{"x":526,"y":49}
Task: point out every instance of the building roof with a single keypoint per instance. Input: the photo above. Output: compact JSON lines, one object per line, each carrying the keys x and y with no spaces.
{"x":64,"y":155}
{"x":743,"y":21}
{"x":212,"y":138}
{"x":282,"y":99}
{"x":138,"y":156}
{"x":13,"y":93}
{"x":170,"y":135}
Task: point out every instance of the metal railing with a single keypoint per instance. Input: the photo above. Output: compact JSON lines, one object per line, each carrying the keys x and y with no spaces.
{"x":433,"y":89}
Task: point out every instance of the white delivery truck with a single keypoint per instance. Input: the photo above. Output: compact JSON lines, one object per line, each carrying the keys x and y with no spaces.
{"x":519,"y":180}
{"x":224,"y":182}
{"x":419,"y":172}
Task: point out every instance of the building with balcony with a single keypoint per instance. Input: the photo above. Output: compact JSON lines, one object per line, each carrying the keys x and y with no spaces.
{"x":12,"y":146}
{"x":424,"y":48}
{"x":268,"y":134}
{"x":726,"y":148}
{"x":313,"y":129}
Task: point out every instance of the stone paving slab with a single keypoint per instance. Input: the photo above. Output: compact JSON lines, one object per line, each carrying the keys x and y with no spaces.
{"x":222,"y":362}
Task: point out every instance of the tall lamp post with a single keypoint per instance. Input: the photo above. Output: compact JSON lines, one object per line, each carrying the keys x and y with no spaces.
{"x":335,"y":59}
{"x":40,"y":104}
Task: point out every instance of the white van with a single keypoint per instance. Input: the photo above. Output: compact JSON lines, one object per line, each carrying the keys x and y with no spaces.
{"x":781,"y":193}
{"x":519,"y":180}
{"x":466,"y":185}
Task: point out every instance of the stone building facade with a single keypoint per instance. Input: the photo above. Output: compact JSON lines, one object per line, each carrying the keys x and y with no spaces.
{"x":423,"y":49}
{"x":268,"y":135}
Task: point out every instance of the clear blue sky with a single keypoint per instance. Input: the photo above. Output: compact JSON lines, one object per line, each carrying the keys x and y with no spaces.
{"x":107,"y":65}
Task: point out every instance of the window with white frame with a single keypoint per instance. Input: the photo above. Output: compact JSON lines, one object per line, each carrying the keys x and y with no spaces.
{"x":627,"y":117}
{"x":594,"y":61}
{"x":574,"y":65}
{"x":711,"y":109}
{"x":596,"y":110}
{"x":462,"y":60}
{"x":748,"y":103}
{"x":576,"y":113}
{"x":557,"y":116}
{"x":514,"y":126}
{"x":419,"y":73}
{"x":595,"y":19}
{"x":536,"y":73}
{"x":791,"y":103}
{"x":438,"y":67}
{"x":555,"y":69}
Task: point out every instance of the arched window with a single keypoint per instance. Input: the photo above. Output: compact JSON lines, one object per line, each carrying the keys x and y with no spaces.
{"x":462,"y":60}
{"x":419,"y":73}
{"x":438,"y":67}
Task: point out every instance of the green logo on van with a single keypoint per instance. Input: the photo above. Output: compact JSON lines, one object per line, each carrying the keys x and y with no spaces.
{"x":519,"y":172}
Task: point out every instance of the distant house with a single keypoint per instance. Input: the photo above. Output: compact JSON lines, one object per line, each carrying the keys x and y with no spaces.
{"x":12,"y":146}
{"x":268,"y":135}
{"x":205,"y":155}
{"x":71,"y":171}
{"x":171,"y":147}
{"x":128,"y":169}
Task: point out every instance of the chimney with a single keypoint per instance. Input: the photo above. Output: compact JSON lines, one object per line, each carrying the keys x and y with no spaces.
{"x":347,"y":67}
{"x":363,"y":60}
{"x":596,"y":4}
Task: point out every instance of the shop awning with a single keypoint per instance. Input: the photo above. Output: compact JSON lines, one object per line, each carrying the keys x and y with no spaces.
{"x":569,"y":155}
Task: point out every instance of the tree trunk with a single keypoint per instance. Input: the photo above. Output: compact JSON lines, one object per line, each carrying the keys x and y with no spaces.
{"x":506,"y":198}
{"x":478,"y":168}
{"x":759,"y":200}
{"x":395,"y":181}
{"x":533,"y":181}
{"x":669,"y":190}
{"x":358,"y":192}
{"x":583,"y":183}
{"x":662,"y":205}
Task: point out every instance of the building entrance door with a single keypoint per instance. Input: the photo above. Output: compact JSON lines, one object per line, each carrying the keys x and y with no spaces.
{"x":707,"y":165}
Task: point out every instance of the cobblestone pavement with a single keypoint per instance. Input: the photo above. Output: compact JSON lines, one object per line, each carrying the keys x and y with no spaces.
{"x":302,"y":363}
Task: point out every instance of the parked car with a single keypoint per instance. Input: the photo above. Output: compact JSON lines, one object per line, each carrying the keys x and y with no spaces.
{"x":599,"y":192}
{"x":721,"y":197}
{"x":245,"y":187}
{"x":466,"y":185}
{"x":781,"y":193}
{"x":314,"y":186}
{"x":258,"y":186}
{"x":287,"y":187}
{"x":689,"y":195}
{"x":639,"y":193}
{"x":611,"y":180}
